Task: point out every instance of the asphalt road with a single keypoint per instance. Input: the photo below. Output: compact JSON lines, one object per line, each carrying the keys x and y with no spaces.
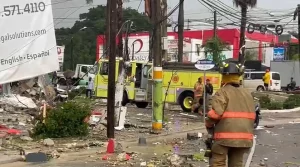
{"x":278,"y":146}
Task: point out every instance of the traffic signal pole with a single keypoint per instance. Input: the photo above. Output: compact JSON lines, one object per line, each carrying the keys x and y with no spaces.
{"x":157,"y":102}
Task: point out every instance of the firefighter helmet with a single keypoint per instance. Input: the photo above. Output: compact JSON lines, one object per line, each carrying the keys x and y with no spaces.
{"x":231,"y":68}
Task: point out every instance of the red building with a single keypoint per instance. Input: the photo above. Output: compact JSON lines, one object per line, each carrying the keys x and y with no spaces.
{"x":256,"y":41}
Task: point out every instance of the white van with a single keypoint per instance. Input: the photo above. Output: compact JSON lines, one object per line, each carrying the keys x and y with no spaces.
{"x":253,"y":81}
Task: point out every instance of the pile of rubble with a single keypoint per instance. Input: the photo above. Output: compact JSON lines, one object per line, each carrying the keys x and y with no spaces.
{"x":18,"y":112}
{"x":20,"y":108}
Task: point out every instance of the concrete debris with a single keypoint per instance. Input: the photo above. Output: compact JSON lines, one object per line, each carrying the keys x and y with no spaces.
{"x":143,"y":164}
{"x":118,"y":147}
{"x":269,"y":126}
{"x":53,"y":154}
{"x":26,"y":138}
{"x":193,"y":136}
{"x":175,"y":160}
{"x":48,"y":142}
{"x":26,"y":85}
{"x":262,"y":163}
{"x":18,"y":101}
{"x":123,"y":157}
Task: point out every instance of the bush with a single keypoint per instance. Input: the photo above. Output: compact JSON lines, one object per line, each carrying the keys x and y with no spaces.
{"x":264,"y":101}
{"x":267,"y":103}
{"x":292,"y":101}
{"x":76,"y":92}
{"x":274,"y":106}
{"x":67,"y":120}
{"x":289,"y":104}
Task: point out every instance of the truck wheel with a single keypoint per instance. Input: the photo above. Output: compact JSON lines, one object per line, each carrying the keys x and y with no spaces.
{"x":141,"y":104}
{"x":260,"y":88}
{"x":186,"y":101}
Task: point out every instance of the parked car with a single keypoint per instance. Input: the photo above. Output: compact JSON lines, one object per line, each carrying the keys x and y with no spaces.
{"x":253,"y":81}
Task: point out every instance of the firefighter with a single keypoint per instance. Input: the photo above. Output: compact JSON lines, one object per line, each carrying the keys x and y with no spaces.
{"x":266,"y":79}
{"x":198,"y":92}
{"x":230,"y":119}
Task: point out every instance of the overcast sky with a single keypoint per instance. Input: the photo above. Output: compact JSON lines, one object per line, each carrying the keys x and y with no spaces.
{"x":66,"y":12}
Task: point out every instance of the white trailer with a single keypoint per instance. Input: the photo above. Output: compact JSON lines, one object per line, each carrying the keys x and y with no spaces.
{"x":287,"y":69}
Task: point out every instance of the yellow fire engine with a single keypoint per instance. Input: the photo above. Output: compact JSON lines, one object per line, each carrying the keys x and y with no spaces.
{"x":178,"y":82}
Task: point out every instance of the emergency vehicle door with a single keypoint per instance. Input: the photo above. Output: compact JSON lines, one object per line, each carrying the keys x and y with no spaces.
{"x":144,"y":81}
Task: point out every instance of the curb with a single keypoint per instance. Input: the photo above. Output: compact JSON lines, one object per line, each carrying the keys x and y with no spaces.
{"x":165,"y":136}
{"x":281,"y":111}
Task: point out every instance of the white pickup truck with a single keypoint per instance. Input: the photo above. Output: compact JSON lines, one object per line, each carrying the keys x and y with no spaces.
{"x":82,"y":73}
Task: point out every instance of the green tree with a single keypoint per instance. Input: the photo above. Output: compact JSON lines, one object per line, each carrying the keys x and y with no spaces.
{"x":292,"y":50}
{"x":244,"y":5}
{"x":250,"y":55}
{"x":295,"y":57}
{"x":217,"y":46}
{"x":84,"y":41}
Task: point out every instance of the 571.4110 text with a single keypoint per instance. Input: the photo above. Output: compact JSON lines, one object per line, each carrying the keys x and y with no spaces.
{"x":27,"y":8}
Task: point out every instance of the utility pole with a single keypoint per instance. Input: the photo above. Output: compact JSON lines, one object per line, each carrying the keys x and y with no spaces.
{"x":107,"y":31}
{"x":164,"y":33}
{"x":72,"y":56}
{"x":215,"y":35}
{"x":215,"y":24}
{"x":180,"y":30}
{"x":164,"y":8}
{"x":121,"y":78}
{"x":299,"y":30}
{"x":157,"y":103}
{"x":112,"y":27}
{"x":120,"y":22}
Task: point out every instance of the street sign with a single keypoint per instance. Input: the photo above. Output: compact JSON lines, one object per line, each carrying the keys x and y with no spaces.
{"x":278,"y":54}
{"x":204,"y":64}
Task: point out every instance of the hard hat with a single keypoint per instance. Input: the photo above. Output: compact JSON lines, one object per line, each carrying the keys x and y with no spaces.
{"x":232,"y":68}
